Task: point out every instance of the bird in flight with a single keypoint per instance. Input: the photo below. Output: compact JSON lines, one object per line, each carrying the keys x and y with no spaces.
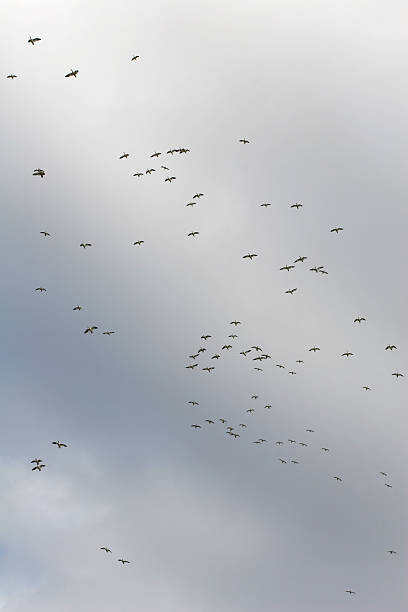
{"x":293,"y":461}
{"x":392,"y":552}
{"x":197,"y":195}
{"x":397,"y":374}
{"x":37,"y":461}
{"x":169,"y":179}
{"x":206,"y":336}
{"x":359,"y":319}
{"x":251,"y":410}
{"x":45,"y":234}
{"x":107,"y":333}
{"x":366,"y":388}
{"x":291,"y":441}
{"x":156,"y":155}
{"x":299,"y":361}
{"x":314,"y":349}
{"x":11,"y":76}
{"x":288,"y":268}
{"x":193,"y":403}
{"x":244,"y":140}
{"x":291,"y":291}
{"x":33,"y":40}
{"x":282,"y":460}
{"x":192,"y":366}
{"x":268,"y":406}
{"x":85,"y":244}
{"x":279,"y":365}
{"x":164,"y":167}
{"x":300,"y":259}
{"x":123,"y":561}
{"x":215,"y":356}
{"x":194,"y":234}
{"x":135,"y":57}
{"x":90,"y":329}
{"x":310,"y":430}
{"x":138,"y":242}
{"x":297,"y":205}
{"x":209,"y":421}
{"x":77,"y":308}
{"x":279,"y":443}
{"x":338,"y":478}
{"x":390,"y":347}
{"x":124,"y":156}
{"x":245,"y":353}
{"x":325,"y":449}
{"x":302,"y":444}
{"x":235,"y":323}
{"x":41,"y":289}
{"x":38,"y":467}
{"x":233,"y":336}
{"x":292,"y":372}
{"x":226,"y":346}
{"x":39,"y":172}
{"x":388,"y":485}
{"x":72,"y":73}
{"x":150,"y":170}
{"x":60,"y":444}
{"x":383,"y":474}
{"x":138,"y":174}
{"x":242,"y":424}
{"x":222,"y":420}
{"x":208,"y":369}
{"x":258,"y":369}
{"x":254,"y":396}
{"x":106,"y":549}
{"x":191,"y":204}
{"x":196,"y":426}
{"x":347,"y":354}
{"x":266,"y":204}
{"x":250,"y":256}
{"x":351,"y":592}
{"x":337,"y":229}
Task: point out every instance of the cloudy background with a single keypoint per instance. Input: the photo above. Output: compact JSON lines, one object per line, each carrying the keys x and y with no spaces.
{"x":209,"y":523}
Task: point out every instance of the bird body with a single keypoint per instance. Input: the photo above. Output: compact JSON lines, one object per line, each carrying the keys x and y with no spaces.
{"x":72,"y":73}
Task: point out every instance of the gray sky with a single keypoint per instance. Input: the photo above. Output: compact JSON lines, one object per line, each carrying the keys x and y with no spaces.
{"x":209,"y":523}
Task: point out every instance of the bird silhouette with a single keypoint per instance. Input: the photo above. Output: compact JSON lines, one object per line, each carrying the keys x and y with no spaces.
{"x":106,"y":549}
{"x":60,"y":444}
{"x":33,"y":40}
{"x":72,"y":73}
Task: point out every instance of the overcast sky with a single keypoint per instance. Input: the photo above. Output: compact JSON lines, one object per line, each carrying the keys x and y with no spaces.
{"x":210,"y":523}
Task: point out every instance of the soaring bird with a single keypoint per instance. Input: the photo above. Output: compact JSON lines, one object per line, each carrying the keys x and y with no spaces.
{"x":226,"y":346}
{"x":292,"y":372}
{"x":258,"y":369}
{"x":156,"y":155}
{"x":39,"y":172}
{"x":45,"y":234}
{"x":194,"y":356}
{"x":197,"y":195}
{"x":235,"y":323}
{"x":314,"y":349}
{"x":41,"y":289}
{"x":194,"y":234}
{"x":135,"y":57}
{"x":287,"y":268}
{"x":388,"y":485}
{"x":351,"y":592}
{"x":279,"y":443}
{"x":338,"y":478}
{"x":106,"y":549}
{"x":291,"y":441}
{"x":209,"y":421}
{"x":208,"y":369}
{"x":236,"y":435}
{"x":242,"y":424}
{"x":38,"y":467}
{"x":390,"y":347}
{"x":383,"y":474}
{"x":196,"y":426}
{"x":262,"y":440}
{"x":150,"y":170}
{"x":193,"y":403}
{"x":37,"y":461}
{"x":251,"y":410}
{"x":244,"y":140}
{"x":325,"y":449}
{"x":282,"y":460}
{"x":337,"y":229}
{"x":191,"y":204}
{"x":90,"y":329}
{"x":257,"y":348}
{"x":60,"y":444}
{"x":138,"y":174}
{"x":107,"y":333}
{"x":11,"y":76}
{"x":123,"y":561}
{"x":315,"y":269}
{"x":85,"y":244}
{"x":366,"y":388}
{"x":268,"y":406}
{"x":169,"y":179}
{"x":256,"y":442}
{"x":33,"y":40}
{"x":291,"y":291}
{"x":206,"y":336}
{"x":279,"y":365}
{"x":233,"y":336}
{"x":201,"y":350}
{"x":72,"y":73}
{"x":222,"y":420}
{"x":297,"y":205}
{"x":347,"y":354}
{"x":293,"y":461}
{"x":302,"y":444}
{"x":392,"y":552}
{"x":266,"y":204}
{"x":310,"y":430}
{"x":77,"y":308}
{"x":254,"y":396}
{"x":192,"y":366}
{"x":164,"y":167}
{"x":397,"y":374}
{"x":124,"y":156}
{"x":138,"y":242}
{"x":245,"y":353}
{"x":215,"y":356}
{"x":300,"y":259}
{"x":359,"y":319}
{"x":250,"y":256}
{"x":299,"y":361}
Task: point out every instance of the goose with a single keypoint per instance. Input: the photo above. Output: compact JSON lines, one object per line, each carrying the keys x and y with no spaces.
{"x":206,"y":336}
{"x":138,"y":174}
{"x":215,"y":356}
{"x":192,"y":366}
{"x":164,"y":167}
{"x":288,"y":268}
{"x":150,"y":170}
{"x":108,"y":333}
{"x":90,"y":330}
{"x":169,"y":179}
{"x":72,"y":73}
{"x":245,"y":353}
{"x":134,"y":58}
{"x":208,"y":369}
{"x":300,"y":259}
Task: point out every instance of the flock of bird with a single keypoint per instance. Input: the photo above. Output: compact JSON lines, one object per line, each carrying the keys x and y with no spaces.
{"x":258,"y":354}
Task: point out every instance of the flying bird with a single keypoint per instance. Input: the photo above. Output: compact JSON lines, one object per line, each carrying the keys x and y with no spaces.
{"x":196,"y":426}
{"x":192,"y":366}
{"x":72,"y":73}
{"x":235,"y":323}
{"x":123,"y":561}
{"x":314,"y":349}
{"x":33,"y":40}
{"x":90,"y":329}
{"x":397,"y":374}
{"x":191,"y":204}
{"x":193,"y":403}
{"x":164,"y":167}
{"x":215,"y":356}
{"x":390,"y":347}
{"x":297,"y":205}
{"x":266,"y":204}
{"x":347,"y":354}
{"x":39,"y":172}
{"x":107,"y":333}
{"x":106,"y":549}
{"x":45,"y":234}
{"x":291,"y":291}
{"x":244,"y":140}
{"x":337,"y":229}
{"x":245,"y":353}
{"x":287,"y":268}
{"x":325,"y":449}
{"x":11,"y":76}
{"x":85,"y":244}
{"x":135,"y":57}
{"x":138,"y":242}
{"x":209,"y":421}
{"x":194,"y":234}
{"x":366,"y":388}
{"x":138,"y":174}
{"x":156,"y":155}
{"x":282,"y":460}
{"x":77,"y":308}
{"x":60,"y":444}
{"x":392,"y":552}
{"x":226,"y":346}
{"x":300,"y":259}
{"x":209,"y":369}
{"x":41,"y":289}
{"x":169,"y":179}
{"x":38,"y":467}
{"x":338,"y":478}
{"x":197,"y":195}
{"x":250,"y":256}
{"x":351,"y":592}
{"x":206,"y":336}
{"x":37,"y":461}
{"x":124,"y":156}
{"x":150,"y":170}
{"x":359,"y":319}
